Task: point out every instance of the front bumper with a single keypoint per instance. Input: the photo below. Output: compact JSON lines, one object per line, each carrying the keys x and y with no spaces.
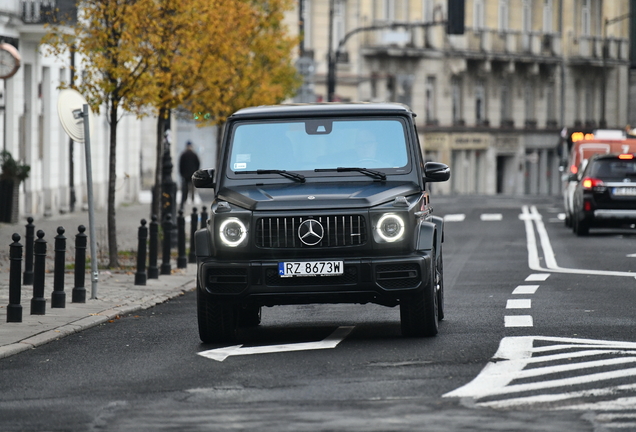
{"x":365,"y":280}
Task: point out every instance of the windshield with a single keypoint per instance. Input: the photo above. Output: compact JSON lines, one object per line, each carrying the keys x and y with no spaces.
{"x":308,"y":145}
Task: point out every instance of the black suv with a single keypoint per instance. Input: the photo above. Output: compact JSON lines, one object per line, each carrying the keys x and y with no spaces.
{"x":319,"y":203}
{"x":606,"y":193}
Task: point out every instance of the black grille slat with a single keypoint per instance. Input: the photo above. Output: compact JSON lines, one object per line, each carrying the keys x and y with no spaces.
{"x":281,"y":232}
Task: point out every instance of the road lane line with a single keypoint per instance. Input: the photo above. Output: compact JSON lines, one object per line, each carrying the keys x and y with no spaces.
{"x":488,"y":217}
{"x":454,"y":218}
{"x":519,"y":304}
{"x":525,"y":289}
{"x":537,"y":277}
{"x":518,"y":321}
{"x":551,"y":265}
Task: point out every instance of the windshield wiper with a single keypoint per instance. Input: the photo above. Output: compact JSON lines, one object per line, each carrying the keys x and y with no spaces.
{"x":371,"y":173}
{"x":290,"y":175}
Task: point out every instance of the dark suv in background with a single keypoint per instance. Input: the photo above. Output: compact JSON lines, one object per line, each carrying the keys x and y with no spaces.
{"x":606,"y":193}
{"x":320,"y":203}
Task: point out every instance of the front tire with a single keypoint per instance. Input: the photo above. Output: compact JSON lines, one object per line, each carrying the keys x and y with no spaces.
{"x":217,"y":321}
{"x":419,"y":312}
{"x":440,"y":287}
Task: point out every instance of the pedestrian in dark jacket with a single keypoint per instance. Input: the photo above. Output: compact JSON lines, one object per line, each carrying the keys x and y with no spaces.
{"x":188,"y":164}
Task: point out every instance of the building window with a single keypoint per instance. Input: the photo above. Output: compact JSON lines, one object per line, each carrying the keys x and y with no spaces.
{"x":456,"y":95}
{"x":506,"y":103}
{"x":339,"y":22}
{"x":478,"y":15}
{"x":427,"y":10}
{"x":586,"y":25}
{"x":307,"y":40}
{"x":589,"y":104}
{"x":389,"y":10}
{"x":430,"y":107}
{"x":526,"y":16}
{"x":480,"y":103}
{"x":547,"y":16}
{"x":529,"y":102}
{"x":503,"y":15}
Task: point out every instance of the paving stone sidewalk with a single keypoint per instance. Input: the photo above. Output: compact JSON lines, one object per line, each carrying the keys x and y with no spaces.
{"x":116,"y":292}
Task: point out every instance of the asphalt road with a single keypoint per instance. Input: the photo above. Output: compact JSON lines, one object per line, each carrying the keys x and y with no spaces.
{"x":548,"y":348}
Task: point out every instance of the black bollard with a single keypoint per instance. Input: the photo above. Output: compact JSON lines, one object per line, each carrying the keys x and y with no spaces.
{"x":153,"y":271}
{"x":182,"y":259}
{"x":142,"y":236}
{"x":28,"y":253}
{"x":14,"y":309}
{"x":167,"y":243}
{"x":194,"y":221}
{"x":58,"y":297}
{"x":204,"y":217}
{"x":79,"y":290}
{"x":38,"y":303}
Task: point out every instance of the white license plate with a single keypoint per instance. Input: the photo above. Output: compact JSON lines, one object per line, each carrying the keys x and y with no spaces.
{"x":625,"y":191}
{"x":310,"y":268}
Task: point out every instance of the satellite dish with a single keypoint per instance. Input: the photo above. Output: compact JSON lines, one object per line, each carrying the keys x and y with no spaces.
{"x":70,"y":106}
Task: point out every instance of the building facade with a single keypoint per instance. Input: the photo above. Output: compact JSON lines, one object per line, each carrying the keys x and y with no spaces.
{"x":491,"y":102}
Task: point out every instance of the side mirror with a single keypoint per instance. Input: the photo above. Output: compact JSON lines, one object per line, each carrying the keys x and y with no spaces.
{"x":436,"y":172}
{"x":203,"y":179}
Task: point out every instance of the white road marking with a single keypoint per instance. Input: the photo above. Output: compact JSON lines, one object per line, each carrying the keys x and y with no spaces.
{"x":561,"y":216}
{"x":518,"y":321}
{"x":330,"y":341}
{"x":454,"y":218}
{"x":525,"y":289}
{"x":519,"y":304}
{"x":548,"y":254}
{"x":491,"y":217}
{"x":516,"y":353}
{"x":631,"y":255}
{"x":537,"y":277}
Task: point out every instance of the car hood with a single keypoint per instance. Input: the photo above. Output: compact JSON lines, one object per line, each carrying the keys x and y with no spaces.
{"x":319,"y":195}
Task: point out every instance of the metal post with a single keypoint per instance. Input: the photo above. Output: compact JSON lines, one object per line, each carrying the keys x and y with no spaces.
{"x":153,"y":271}
{"x":14,"y":309}
{"x":331,"y":61}
{"x":91,"y":210}
{"x":28,"y":254}
{"x":79,"y":290}
{"x":167,"y":243}
{"x":194,"y":219}
{"x":142,"y":237}
{"x":182,"y":259}
{"x":38,"y":303}
{"x":58,"y":297}
{"x":204,"y":217}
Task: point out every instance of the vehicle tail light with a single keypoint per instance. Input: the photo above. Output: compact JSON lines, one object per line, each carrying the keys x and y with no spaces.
{"x":626,"y":156}
{"x":587,"y":206}
{"x":574,"y":169}
{"x":589,"y":183}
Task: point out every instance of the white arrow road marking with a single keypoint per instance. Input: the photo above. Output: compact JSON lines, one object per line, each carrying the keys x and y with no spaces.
{"x":331,"y":341}
{"x":548,"y":254}
{"x":516,"y":353}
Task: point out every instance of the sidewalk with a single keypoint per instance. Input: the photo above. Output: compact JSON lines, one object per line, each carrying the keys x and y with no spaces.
{"x":116,"y":292}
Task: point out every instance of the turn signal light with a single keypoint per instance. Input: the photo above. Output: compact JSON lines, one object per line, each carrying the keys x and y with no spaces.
{"x":626,"y":156}
{"x":589,"y":183}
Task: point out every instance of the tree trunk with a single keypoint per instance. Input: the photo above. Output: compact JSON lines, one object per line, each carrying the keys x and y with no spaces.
{"x":156,"y":191}
{"x":113,"y":255}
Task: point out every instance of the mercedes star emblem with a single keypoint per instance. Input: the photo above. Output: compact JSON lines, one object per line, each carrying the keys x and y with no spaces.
{"x":311,"y":232}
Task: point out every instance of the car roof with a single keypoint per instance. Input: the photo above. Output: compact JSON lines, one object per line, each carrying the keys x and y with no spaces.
{"x":322,"y":109}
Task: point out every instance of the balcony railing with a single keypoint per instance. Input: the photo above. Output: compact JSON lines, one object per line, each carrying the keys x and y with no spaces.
{"x":48,"y":11}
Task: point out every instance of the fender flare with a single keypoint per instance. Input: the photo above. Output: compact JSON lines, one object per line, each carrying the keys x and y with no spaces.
{"x":431,"y":231}
{"x":202,"y":244}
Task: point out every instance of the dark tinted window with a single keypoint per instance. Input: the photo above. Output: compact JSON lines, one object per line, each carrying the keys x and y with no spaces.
{"x":613,"y":168}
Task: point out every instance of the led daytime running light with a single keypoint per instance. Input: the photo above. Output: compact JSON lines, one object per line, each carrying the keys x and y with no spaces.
{"x":232,"y":232}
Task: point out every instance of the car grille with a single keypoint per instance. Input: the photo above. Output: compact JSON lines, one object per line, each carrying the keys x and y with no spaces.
{"x":226,"y":280}
{"x":282,"y":232}
{"x":350,"y":277}
{"x":396,"y":276}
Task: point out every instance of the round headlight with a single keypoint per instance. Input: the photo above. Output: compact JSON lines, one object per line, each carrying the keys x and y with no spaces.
{"x":232,"y":232}
{"x":390,"y":227}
